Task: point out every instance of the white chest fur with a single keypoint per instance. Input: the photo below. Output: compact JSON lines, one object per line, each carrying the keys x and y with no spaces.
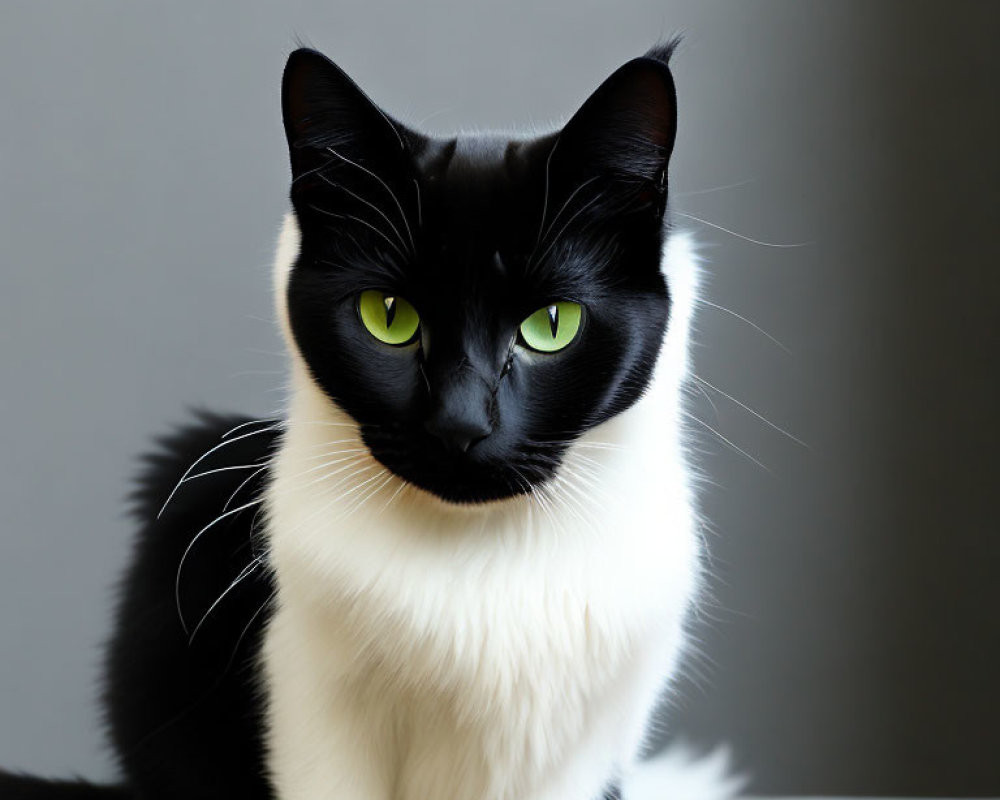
{"x":513,"y":651}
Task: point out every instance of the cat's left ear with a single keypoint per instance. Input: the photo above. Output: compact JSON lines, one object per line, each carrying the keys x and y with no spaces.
{"x":330,"y":120}
{"x":622,"y":137}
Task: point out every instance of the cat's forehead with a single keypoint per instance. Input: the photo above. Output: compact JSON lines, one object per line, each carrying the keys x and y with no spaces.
{"x":479,"y":195}
{"x":481,"y":150}
{"x":481,"y":169}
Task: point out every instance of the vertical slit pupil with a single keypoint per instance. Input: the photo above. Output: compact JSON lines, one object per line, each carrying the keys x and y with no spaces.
{"x":553,"y":312}
{"x":390,"y":310}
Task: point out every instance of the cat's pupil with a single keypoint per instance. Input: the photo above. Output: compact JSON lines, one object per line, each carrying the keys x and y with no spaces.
{"x":390,"y":310}
{"x":553,"y":312}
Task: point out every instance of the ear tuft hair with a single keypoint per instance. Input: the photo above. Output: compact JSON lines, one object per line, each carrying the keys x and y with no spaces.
{"x":664,"y":51}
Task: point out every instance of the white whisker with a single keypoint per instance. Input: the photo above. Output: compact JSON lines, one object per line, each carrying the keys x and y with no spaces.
{"x":740,"y":317}
{"x":243,"y":484}
{"x":243,"y":425}
{"x":245,"y":572}
{"x":371,"y":205}
{"x":739,"y":235}
{"x":723,"y":439}
{"x":187,"y":550}
{"x":749,"y":410}
{"x":420,"y":210}
{"x":562,"y":230}
{"x":221,"y":469}
{"x":545,"y":197}
{"x":385,"y":186}
{"x":360,"y":221}
{"x":205,"y":455}
{"x":402,"y":485}
{"x":722,"y":188}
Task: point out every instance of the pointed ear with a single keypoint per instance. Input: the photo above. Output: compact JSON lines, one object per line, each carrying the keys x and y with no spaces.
{"x":326,"y":115}
{"x":622,"y":136}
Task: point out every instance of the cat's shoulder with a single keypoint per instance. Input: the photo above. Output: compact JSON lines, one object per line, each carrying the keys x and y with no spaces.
{"x":190,"y":610}
{"x":198,"y":502}
{"x":198,"y":460}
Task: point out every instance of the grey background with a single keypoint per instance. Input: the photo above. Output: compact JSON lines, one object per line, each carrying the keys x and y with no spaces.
{"x":852,"y":644}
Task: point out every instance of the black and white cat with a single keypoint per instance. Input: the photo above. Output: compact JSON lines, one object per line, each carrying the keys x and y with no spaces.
{"x":461,"y":564}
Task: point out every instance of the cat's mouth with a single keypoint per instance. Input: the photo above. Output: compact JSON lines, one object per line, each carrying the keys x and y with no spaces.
{"x":488,"y":472}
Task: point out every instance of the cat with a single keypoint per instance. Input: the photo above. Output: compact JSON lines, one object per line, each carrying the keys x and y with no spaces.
{"x":461,"y":564}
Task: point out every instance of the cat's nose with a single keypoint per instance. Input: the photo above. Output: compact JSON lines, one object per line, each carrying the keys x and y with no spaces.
{"x":459,"y":423}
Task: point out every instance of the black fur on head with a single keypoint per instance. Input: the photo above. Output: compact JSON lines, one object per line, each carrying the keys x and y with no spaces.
{"x":477,"y":233}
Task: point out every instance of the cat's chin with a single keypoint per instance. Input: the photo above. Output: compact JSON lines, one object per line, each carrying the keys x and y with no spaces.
{"x":469,"y":504}
{"x":460,"y":494}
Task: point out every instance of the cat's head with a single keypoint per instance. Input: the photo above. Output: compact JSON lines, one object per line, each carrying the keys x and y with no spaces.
{"x":476,"y":304}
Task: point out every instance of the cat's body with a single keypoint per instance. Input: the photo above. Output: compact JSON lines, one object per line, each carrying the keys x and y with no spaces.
{"x":461,"y":565}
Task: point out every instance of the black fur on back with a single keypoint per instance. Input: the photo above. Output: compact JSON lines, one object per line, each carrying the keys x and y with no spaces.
{"x":23,"y":787}
{"x":183,"y":712}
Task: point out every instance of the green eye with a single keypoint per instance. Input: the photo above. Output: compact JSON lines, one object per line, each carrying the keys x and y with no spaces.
{"x":388,"y":318}
{"x":552,"y":328}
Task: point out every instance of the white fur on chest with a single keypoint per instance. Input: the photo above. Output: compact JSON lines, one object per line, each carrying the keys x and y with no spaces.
{"x":510,"y":651}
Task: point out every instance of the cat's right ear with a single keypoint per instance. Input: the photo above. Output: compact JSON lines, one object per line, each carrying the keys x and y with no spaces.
{"x":621,"y":139}
{"x":330,"y":121}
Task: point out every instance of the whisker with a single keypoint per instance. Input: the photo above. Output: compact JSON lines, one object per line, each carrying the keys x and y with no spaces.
{"x":138,"y":745}
{"x":402,"y":485}
{"x":187,"y":550}
{"x":722,"y":438}
{"x":387,"y":477}
{"x":545,"y":197}
{"x":333,"y":501}
{"x":221,"y":469}
{"x":708,"y":397}
{"x":243,"y":425}
{"x":205,"y":455}
{"x":562,"y":230}
{"x":244,"y":573}
{"x":337,"y":451}
{"x":330,"y":442}
{"x":566,"y":204}
{"x":420,"y":210}
{"x":360,"y":221}
{"x":313,"y":171}
{"x":749,"y":410}
{"x":372,"y":206}
{"x":333,"y":462}
{"x":564,"y":497}
{"x":722,"y":188}
{"x":246,"y":629}
{"x":598,"y":445}
{"x":353,"y":461}
{"x":385,"y":186}
{"x":243,"y":484}
{"x":399,"y":138}
{"x":756,"y":327}
{"x":739,"y":235}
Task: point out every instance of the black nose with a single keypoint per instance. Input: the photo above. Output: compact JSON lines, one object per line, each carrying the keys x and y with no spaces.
{"x":457,"y":431}
{"x":460,"y":420}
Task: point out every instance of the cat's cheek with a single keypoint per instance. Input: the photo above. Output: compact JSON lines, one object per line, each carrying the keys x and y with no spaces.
{"x":380,"y":390}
